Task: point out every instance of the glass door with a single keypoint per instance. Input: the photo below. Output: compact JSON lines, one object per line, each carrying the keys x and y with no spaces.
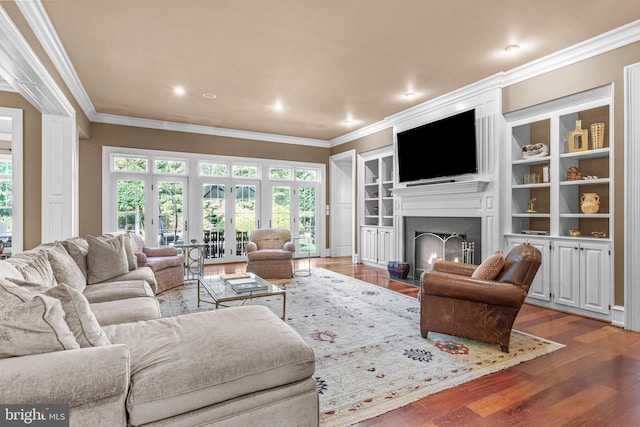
{"x":131,"y":199}
{"x":170,"y":197}
{"x":281,"y":206}
{"x":214,"y":213}
{"x":307,"y":219}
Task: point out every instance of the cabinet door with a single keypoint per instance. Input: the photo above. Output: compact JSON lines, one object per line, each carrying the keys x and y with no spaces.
{"x":595,"y":275}
{"x":385,"y":245}
{"x":540,"y":288}
{"x":369,"y":239}
{"x":566,"y":271}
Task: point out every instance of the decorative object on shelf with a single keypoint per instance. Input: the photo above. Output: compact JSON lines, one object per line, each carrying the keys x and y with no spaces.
{"x":535,"y":150}
{"x":375,"y":179}
{"x":588,"y":177}
{"x":597,"y":135}
{"x":578,"y":139}
{"x":531,"y":178}
{"x":545,"y":174}
{"x":573,"y":174}
{"x":375,"y":210}
{"x":390,"y":194}
{"x":575,"y":232}
{"x":375,"y":194}
{"x":599,"y":234}
{"x":194,"y":241}
{"x":532,"y":202}
{"x":590,"y":203}
{"x":535,"y":232}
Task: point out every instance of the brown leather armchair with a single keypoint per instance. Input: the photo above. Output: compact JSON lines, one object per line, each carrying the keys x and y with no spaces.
{"x":453,"y":303}
{"x":270,"y":253}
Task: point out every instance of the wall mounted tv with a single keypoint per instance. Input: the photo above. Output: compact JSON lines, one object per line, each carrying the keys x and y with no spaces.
{"x":442,"y":149}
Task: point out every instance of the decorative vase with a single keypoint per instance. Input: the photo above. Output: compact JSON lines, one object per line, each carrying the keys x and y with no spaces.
{"x":597,"y":135}
{"x":577,"y":140}
{"x":590,"y":203}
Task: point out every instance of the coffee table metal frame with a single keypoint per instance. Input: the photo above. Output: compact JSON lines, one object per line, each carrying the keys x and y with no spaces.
{"x":221,"y":292}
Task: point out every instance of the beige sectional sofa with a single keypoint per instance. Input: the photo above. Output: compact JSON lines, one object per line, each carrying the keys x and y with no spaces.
{"x":77,"y":329}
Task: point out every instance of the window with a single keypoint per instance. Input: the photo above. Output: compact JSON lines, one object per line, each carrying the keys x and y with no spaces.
{"x":213,"y":169}
{"x":279,"y":173}
{"x":245,"y":171}
{"x":171,"y":166}
{"x":130,"y":164}
{"x":307,"y":174}
{"x":6,"y":196}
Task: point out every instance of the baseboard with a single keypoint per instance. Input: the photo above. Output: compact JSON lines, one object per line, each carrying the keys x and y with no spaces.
{"x":617,"y":316}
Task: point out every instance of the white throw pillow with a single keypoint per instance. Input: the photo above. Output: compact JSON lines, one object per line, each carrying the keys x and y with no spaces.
{"x":65,"y":268}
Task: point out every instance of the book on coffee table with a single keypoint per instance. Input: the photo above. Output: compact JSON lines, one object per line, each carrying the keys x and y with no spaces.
{"x":241,"y":288}
{"x":231,"y":276}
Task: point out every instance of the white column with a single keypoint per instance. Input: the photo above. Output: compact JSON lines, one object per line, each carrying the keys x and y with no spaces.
{"x":59,"y":178}
{"x":632,"y":197}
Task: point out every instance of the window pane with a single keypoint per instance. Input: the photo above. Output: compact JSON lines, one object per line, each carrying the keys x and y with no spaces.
{"x":307,"y":209}
{"x":6,"y":212}
{"x":130,"y":164}
{"x":5,"y":167}
{"x":213,"y":169}
{"x":213,"y":210}
{"x":131,"y":206}
{"x":170,"y":166}
{"x":170,"y":204}
{"x":306,"y":174}
{"x":245,"y":216}
{"x":245,"y":171}
{"x":279,"y":173}
{"x":281,"y":207}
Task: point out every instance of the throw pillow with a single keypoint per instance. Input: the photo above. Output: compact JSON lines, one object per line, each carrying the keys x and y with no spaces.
{"x":77,"y":247}
{"x":34,"y":267}
{"x":79,"y":316}
{"x":106,"y":259}
{"x":65,"y":268}
{"x":31,"y":323}
{"x":490,"y":267}
{"x":128,"y":248}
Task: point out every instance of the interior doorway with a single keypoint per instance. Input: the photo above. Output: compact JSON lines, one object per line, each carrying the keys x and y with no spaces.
{"x":343,"y":203}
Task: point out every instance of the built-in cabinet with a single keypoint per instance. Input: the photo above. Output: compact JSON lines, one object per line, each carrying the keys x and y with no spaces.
{"x":375,"y":201}
{"x":560,"y":195}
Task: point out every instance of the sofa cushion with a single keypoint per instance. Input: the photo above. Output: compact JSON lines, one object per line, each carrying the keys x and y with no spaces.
{"x":125,"y":310}
{"x":269,"y":254}
{"x":34,"y":267}
{"x":113,"y":291}
{"x":7,"y":270}
{"x":65,"y":268}
{"x":490,"y":267}
{"x":141,"y":273}
{"x":201,"y":351}
{"x":77,"y":247}
{"x":106,"y":258}
{"x":31,"y":323}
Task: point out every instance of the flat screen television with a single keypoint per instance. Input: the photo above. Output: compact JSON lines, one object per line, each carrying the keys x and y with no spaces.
{"x":442,"y":149}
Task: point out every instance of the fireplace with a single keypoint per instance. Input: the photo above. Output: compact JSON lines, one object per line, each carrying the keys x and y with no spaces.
{"x":430,"y":238}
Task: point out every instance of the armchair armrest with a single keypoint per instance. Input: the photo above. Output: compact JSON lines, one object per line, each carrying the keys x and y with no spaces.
{"x":289,"y":246}
{"x":141,"y":258}
{"x":459,"y":268}
{"x":448,"y":285}
{"x":251,"y":247}
{"x":73,"y":377}
{"x":154,"y":252}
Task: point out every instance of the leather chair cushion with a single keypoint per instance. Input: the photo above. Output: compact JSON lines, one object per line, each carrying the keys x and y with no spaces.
{"x":490,"y":267}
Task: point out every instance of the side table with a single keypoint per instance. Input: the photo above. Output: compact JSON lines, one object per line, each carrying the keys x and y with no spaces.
{"x":301,"y":270}
{"x":193,"y":260}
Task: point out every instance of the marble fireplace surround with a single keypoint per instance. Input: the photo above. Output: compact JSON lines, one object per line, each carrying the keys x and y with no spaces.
{"x":465,"y":207}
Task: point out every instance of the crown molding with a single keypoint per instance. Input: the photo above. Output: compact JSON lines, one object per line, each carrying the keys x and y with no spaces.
{"x":26,"y":74}
{"x":206,"y":130}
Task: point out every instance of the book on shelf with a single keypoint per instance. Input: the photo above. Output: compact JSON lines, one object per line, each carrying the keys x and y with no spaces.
{"x":535,"y":232}
{"x":241,"y":288}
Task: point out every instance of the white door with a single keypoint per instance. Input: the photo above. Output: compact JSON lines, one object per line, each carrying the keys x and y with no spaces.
{"x":343,"y":204}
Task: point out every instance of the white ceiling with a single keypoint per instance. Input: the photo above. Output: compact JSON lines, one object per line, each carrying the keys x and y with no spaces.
{"x":325,"y":61}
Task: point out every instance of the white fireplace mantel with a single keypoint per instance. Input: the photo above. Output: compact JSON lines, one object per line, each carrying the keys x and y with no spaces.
{"x":456,"y":187}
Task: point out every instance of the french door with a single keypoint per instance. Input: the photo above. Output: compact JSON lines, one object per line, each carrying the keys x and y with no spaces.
{"x":295,"y":206}
{"x":229,"y":213}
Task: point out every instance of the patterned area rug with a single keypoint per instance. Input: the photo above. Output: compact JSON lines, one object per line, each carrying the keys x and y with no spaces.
{"x":370,"y":356}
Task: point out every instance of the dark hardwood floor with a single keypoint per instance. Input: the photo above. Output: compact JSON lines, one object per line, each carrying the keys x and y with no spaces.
{"x":593,"y":381}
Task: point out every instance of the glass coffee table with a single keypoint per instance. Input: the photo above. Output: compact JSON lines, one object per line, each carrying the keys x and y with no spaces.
{"x":222,"y":291}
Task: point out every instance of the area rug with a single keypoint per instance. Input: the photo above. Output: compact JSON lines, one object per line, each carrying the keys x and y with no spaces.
{"x":370,"y":357}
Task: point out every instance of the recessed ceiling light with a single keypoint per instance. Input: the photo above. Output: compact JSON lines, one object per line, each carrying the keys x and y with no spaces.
{"x":512,"y":48}
{"x":410,"y":94}
{"x":278,"y":106}
{"x":179,"y":90}
{"x":348,"y":122}
{"x":209,"y":95}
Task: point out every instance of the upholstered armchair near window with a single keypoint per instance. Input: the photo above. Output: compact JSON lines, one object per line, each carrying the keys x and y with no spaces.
{"x":478,"y":302}
{"x":166,"y":263}
{"x":270,"y":253}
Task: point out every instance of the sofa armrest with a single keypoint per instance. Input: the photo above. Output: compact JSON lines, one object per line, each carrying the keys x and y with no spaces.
{"x":73,"y":377}
{"x":454,"y":267}
{"x":447,"y":285}
{"x":289,"y":246}
{"x":154,"y":252}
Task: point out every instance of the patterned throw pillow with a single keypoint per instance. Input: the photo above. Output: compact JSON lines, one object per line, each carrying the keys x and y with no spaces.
{"x":490,"y":267}
{"x":31,"y":323}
